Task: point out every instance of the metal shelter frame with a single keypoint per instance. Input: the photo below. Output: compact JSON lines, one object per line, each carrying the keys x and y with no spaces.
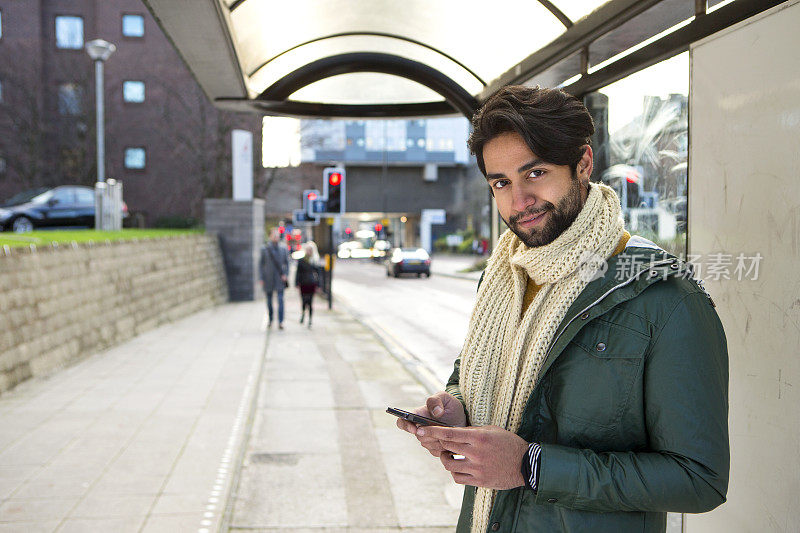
{"x":567,"y":57}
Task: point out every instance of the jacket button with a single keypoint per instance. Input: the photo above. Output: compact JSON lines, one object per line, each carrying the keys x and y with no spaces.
{"x":584,"y":316}
{"x":495,"y":526}
{"x":552,"y":500}
{"x":601,"y":346}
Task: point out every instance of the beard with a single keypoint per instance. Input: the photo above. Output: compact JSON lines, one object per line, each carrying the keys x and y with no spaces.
{"x":561,"y":217}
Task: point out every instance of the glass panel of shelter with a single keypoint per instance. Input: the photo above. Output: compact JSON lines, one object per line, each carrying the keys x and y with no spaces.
{"x":263,"y":30}
{"x":645,"y":155}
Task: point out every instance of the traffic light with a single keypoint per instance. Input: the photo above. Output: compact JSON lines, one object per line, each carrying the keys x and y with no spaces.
{"x":633,"y":183}
{"x":334,"y":186}
{"x":309,"y":196}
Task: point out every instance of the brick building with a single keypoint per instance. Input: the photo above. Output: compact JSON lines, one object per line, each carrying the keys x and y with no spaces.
{"x":164,"y":140}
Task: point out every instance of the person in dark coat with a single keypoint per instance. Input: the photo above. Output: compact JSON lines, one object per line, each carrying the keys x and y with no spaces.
{"x":273,"y":268}
{"x":307,"y":279}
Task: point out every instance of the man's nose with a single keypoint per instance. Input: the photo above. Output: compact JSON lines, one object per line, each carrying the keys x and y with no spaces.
{"x":522,"y":198}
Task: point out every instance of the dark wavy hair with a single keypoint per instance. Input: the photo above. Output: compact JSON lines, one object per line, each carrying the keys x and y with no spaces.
{"x":554,"y":124}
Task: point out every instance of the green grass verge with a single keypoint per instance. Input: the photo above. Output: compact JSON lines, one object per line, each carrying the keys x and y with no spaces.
{"x":45,"y":238}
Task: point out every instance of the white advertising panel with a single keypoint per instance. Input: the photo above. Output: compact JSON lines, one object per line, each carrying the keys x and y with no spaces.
{"x":744,"y":228}
{"x":242,"y":153}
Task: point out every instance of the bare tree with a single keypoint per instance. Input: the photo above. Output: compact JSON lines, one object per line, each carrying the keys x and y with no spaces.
{"x":48,"y":141}
{"x":22,"y":108}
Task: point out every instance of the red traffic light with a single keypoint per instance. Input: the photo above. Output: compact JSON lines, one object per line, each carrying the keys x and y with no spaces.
{"x":378,"y":227}
{"x":348,"y":231}
{"x":312,"y":196}
{"x":335,"y":178}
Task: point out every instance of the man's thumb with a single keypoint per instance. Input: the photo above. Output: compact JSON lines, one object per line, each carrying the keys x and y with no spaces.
{"x":435,"y":406}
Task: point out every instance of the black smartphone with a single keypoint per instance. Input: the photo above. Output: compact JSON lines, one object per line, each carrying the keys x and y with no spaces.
{"x":415,"y":419}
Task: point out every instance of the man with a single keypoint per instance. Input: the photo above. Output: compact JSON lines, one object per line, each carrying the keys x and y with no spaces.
{"x":591,"y":391}
{"x":274,"y":269}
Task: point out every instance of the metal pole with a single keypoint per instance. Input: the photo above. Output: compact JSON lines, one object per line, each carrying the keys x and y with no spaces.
{"x":330,"y":271}
{"x":101,"y":145}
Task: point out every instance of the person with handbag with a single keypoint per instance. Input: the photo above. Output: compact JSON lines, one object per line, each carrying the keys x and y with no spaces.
{"x":307,"y":279}
{"x":274,"y":270}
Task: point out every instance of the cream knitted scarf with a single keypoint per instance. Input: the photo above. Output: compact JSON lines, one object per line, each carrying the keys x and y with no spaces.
{"x":504,"y":350}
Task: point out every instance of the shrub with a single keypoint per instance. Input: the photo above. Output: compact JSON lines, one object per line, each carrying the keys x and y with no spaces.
{"x":176,"y":221}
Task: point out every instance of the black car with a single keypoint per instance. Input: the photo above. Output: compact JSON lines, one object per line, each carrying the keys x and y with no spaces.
{"x":64,"y":206}
{"x":409,"y":260}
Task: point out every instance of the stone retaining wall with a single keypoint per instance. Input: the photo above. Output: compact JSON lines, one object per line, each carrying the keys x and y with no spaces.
{"x":59,"y":304}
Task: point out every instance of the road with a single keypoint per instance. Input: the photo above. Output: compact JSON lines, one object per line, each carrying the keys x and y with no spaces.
{"x":427,"y":317}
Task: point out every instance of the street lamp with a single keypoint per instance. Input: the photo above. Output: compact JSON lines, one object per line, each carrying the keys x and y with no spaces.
{"x":100,"y":50}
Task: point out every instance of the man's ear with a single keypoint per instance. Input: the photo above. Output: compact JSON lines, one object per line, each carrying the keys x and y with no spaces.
{"x":585,"y":164}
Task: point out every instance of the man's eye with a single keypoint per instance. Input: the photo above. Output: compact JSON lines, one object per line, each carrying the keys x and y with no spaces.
{"x":499,"y":184}
{"x":536,"y":173}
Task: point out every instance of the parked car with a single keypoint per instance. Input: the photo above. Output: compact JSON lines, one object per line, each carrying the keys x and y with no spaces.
{"x":64,"y":206}
{"x":409,"y":260}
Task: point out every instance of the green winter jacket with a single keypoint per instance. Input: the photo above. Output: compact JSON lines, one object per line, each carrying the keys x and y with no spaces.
{"x":631,"y":407}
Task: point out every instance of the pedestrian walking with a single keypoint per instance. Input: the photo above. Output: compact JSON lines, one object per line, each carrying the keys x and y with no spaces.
{"x":274,"y":270}
{"x":591,"y":393}
{"x":307,"y":279}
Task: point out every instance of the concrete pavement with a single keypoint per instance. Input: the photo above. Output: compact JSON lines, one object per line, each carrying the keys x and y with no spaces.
{"x":323,"y":455}
{"x":141,"y":437}
{"x":212,"y":423}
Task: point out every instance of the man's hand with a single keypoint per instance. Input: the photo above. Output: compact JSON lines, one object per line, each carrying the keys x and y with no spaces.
{"x":492,"y":455}
{"x":283,"y":278}
{"x":441,"y":406}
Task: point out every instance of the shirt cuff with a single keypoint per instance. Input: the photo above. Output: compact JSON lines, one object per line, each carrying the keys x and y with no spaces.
{"x":531,"y":463}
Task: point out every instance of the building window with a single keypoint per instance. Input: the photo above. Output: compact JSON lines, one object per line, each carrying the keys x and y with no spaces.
{"x":135,"y":158}
{"x":70,"y":99}
{"x":1,"y":24}
{"x":69,"y":32}
{"x":2,"y":165}
{"x":133,"y":25}
{"x":133,"y":91}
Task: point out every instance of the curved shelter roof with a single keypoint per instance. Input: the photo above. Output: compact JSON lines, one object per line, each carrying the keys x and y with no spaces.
{"x":392,"y":58}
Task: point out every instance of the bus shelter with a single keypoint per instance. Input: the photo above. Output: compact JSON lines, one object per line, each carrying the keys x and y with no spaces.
{"x":381,"y":58}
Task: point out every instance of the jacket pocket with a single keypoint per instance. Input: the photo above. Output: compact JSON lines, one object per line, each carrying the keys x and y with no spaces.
{"x":592,"y":379}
